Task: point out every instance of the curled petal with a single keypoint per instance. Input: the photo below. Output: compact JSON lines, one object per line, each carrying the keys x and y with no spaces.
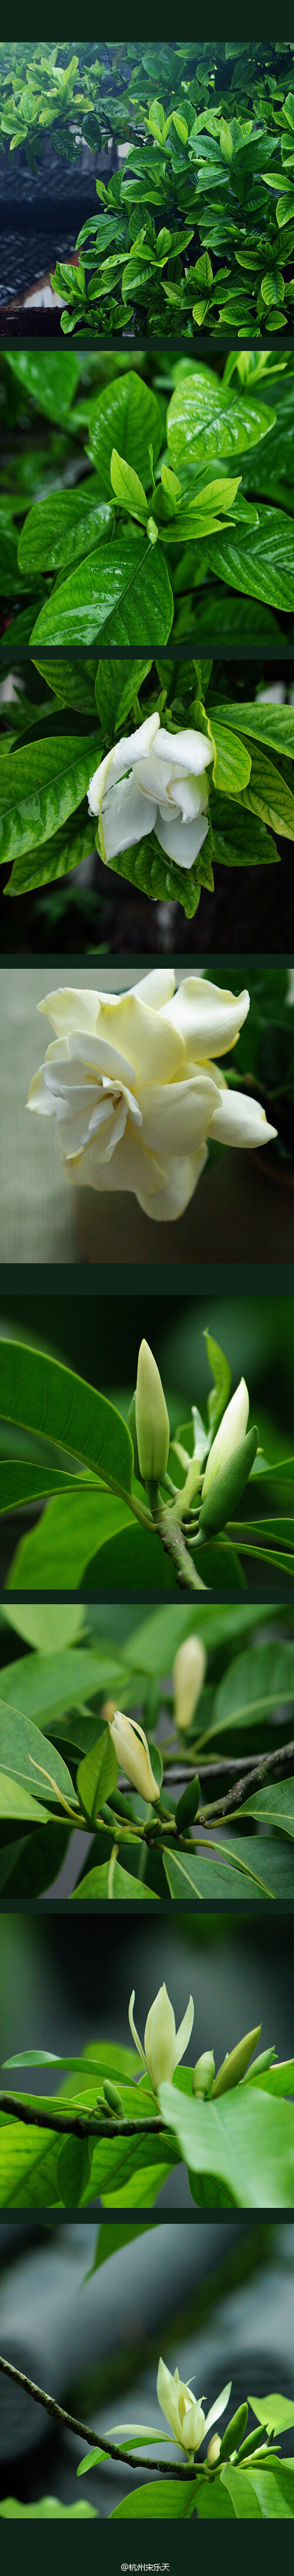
{"x":135,"y":2034}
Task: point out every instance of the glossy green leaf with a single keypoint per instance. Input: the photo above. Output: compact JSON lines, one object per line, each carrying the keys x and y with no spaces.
{"x":246,"y":2144}
{"x":253,"y":1687}
{"x":208,"y":420}
{"x":40,"y":787}
{"x":122,"y":591}
{"x":233,"y":762}
{"x":38,"y":1393}
{"x":97,"y":1775}
{"x":65,"y":527}
{"x":50,"y":379}
{"x":269,"y":724}
{"x":259,"y":560}
{"x":126,"y":416}
{"x":31,"y":1764}
{"x":96,"y":1885}
{"x":268,"y":794}
{"x":164,"y":2501}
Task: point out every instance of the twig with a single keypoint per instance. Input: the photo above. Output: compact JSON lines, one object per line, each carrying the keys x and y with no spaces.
{"x":85,"y":2431}
{"x":78,"y":2126}
{"x":270,"y":1762}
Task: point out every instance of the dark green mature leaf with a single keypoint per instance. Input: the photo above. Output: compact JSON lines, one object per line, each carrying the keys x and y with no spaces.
{"x":268,"y":794}
{"x":246,"y":2143}
{"x":54,"y":859}
{"x":122,"y":591}
{"x":253,"y":1686}
{"x":39,"y":1393}
{"x":269,"y":724}
{"x":274,"y":1806}
{"x":125,"y":416}
{"x":44,"y":1687}
{"x":32,"y":1765}
{"x":259,"y":560}
{"x":40,"y":787}
{"x":236,"y":843}
{"x":227,"y":1871}
{"x":97,"y":1775}
{"x":64,"y":528}
{"x":205,"y":419}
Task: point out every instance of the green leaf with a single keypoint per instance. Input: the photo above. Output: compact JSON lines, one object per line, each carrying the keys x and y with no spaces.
{"x":273,"y":1806}
{"x":16,"y":1802}
{"x":269,"y":724}
{"x":242,"y":2493}
{"x":97,"y":1775}
{"x":259,"y":560}
{"x":50,"y":1630}
{"x":236,"y":843}
{"x":40,"y":787}
{"x":273,"y":2489}
{"x":96,"y":1885}
{"x":50,"y":380}
{"x":40,"y":1394}
{"x":49,"y":1687}
{"x":122,"y":591}
{"x":219,"y":1392}
{"x":32,"y":1765}
{"x":219,"y":1871}
{"x":246,"y":2143}
{"x":232,"y":759}
{"x":269,"y":795}
{"x":115,"y":694}
{"x":205,"y":419}
{"x":72,"y":1531}
{"x":65,"y":527}
{"x":164,"y":2501}
{"x":110,"y":2240}
{"x":276,"y":2413}
{"x":49,"y":2510}
{"x":254,"y":1686}
{"x":126,"y":416}
{"x":127,"y":487}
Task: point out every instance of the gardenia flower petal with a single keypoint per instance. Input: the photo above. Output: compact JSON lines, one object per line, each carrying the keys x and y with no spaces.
{"x":151,"y":781}
{"x":133,"y":1088}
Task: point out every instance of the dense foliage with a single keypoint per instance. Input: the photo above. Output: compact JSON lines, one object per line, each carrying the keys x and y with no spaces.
{"x":106,"y":2134}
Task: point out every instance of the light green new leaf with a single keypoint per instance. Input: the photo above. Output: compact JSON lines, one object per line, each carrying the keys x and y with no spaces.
{"x":41,"y":786}
{"x":121,"y":591}
{"x":126,"y":416}
{"x":72,"y":1532}
{"x":274,"y":2490}
{"x":127,"y":487}
{"x":232,"y":765}
{"x":16,"y":1802}
{"x":43,"y":1396}
{"x":48,"y":1628}
{"x":111,"y":1880}
{"x":276,"y":2413}
{"x":242,"y":2492}
{"x":49,"y":2510}
{"x":166,"y":2501}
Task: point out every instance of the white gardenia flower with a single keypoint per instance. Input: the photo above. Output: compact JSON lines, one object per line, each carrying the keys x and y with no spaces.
{"x":183,"y":2411}
{"x":134,"y":1089}
{"x":153,"y":781}
{"x":163,"y":2045}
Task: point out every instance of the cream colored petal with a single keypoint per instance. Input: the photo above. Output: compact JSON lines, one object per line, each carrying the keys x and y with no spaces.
{"x":237,"y":1120}
{"x":168,"y":2398}
{"x":181,"y":841}
{"x":170,"y":1196}
{"x":70,"y":1008}
{"x":160,"y":2038}
{"x":184,"y":2033}
{"x":135,"y":2034}
{"x":209,"y":1018}
{"x":219,"y":2406}
{"x":146,"y":1038}
{"x":176,"y":1118}
{"x":194,"y":2426}
{"x":39,"y":1097}
{"x":156,"y":988}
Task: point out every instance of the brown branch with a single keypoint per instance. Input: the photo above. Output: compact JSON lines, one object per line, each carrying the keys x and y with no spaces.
{"x":78,"y":2126}
{"x":85,"y":2431}
{"x":282,"y":1759}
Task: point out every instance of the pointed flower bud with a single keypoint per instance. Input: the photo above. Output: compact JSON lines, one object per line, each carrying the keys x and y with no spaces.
{"x":132,"y":1752}
{"x":188,"y":1676}
{"x":203,"y":2075}
{"x":112,"y":2097}
{"x":231,"y":1430}
{"x":213,"y":2450}
{"x":235,"y":2065}
{"x":152,"y":1422}
{"x":163,"y":2045}
{"x":183,"y":2411}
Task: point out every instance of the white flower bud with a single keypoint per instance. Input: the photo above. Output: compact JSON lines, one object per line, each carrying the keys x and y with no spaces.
{"x":152,"y":1422}
{"x":231,"y":1431}
{"x":163,"y":2045}
{"x":133,"y":1755}
{"x":203,"y":2075}
{"x":183,"y":2411}
{"x":188,"y":1676}
{"x":213,"y":2449}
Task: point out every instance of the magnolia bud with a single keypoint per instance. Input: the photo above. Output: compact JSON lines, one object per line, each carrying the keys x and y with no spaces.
{"x":112,"y":2097}
{"x":235,"y":2065}
{"x":203,"y":2075}
{"x":132,"y":1752}
{"x":152,"y":1422}
{"x":221,"y":1501}
{"x":231,"y":1431}
{"x":188,"y":1676}
{"x":235,"y":2432}
{"x":213,"y":2449}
